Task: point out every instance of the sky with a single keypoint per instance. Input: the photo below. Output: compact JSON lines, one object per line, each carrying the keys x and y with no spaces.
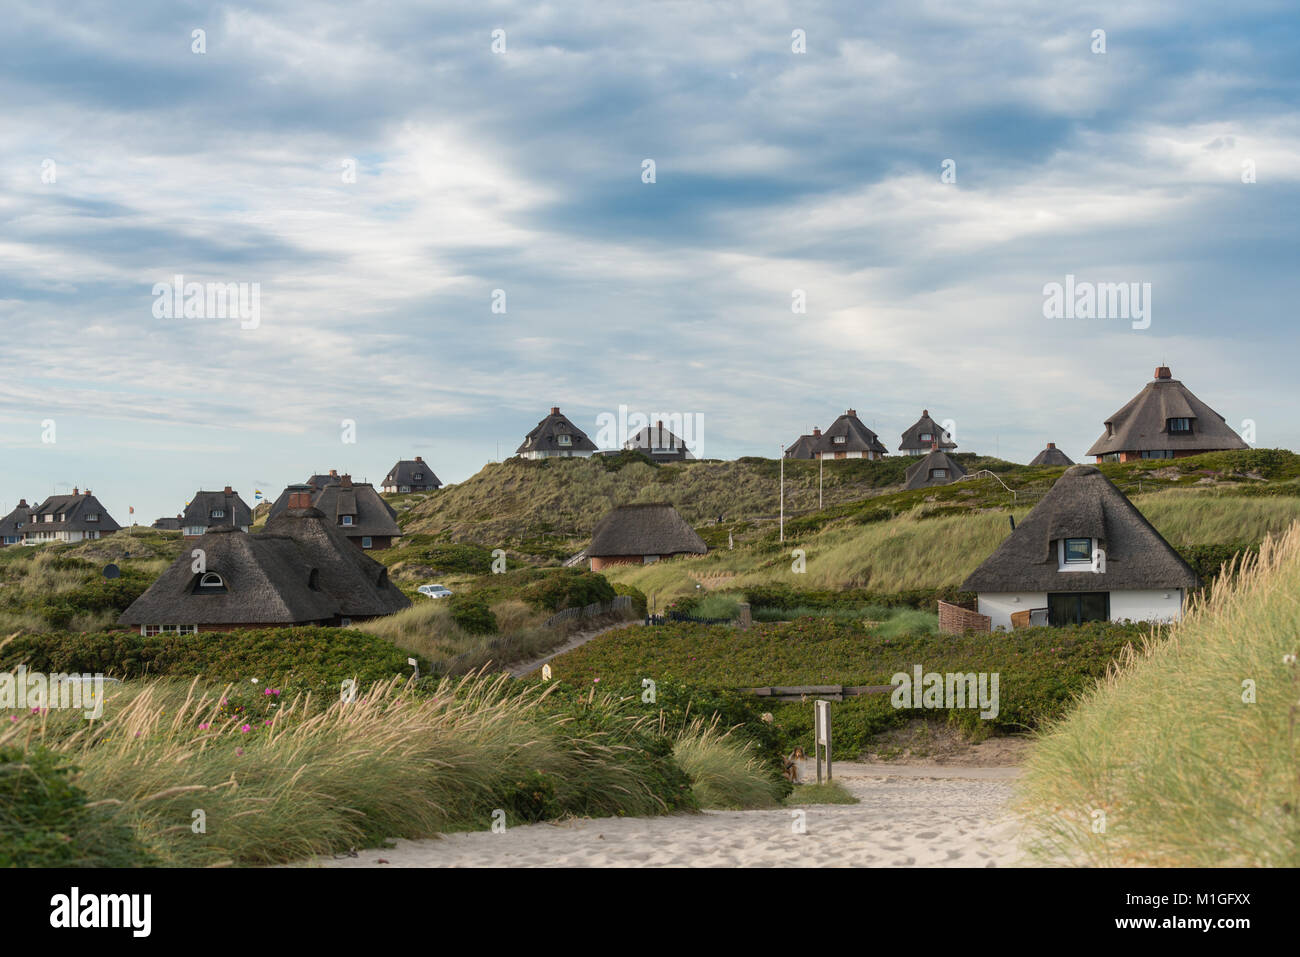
{"x":447,"y":216}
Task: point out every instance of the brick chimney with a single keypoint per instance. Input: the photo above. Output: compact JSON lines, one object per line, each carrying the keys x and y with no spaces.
{"x":816,"y":432}
{"x":925,"y":413}
{"x":555,"y":410}
{"x":346,"y":481}
{"x":418,"y":459}
{"x":851,"y":412}
{"x":1162,"y":372}
{"x":227,"y":490}
{"x":334,"y":473}
{"x":1051,"y":445}
{"x":300,"y":496}
{"x":75,"y":490}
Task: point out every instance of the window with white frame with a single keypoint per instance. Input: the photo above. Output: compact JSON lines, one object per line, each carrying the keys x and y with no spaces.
{"x":346,"y":520}
{"x":365,"y":541}
{"x":218,"y":513}
{"x":1076,"y":552}
{"x":564,"y":439}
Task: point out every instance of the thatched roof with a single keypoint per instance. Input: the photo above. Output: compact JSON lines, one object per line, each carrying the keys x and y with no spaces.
{"x":371,"y":515}
{"x":650,"y":529}
{"x":71,"y":514}
{"x":657,"y":439}
{"x":1143,"y":424}
{"x":805,"y":446}
{"x":857,"y":437}
{"x":925,"y":425}
{"x":1082,"y":504}
{"x":199,"y":511}
{"x":1052,"y":456}
{"x":167,"y":524}
{"x":298,"y":571}
{"x":16,"y":521}
{"x":546,"y":436}
{"x":413,"y":472}
{"x":920,"y":473}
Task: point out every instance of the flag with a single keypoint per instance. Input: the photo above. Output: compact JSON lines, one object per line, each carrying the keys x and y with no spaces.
{"x":131,"y":509}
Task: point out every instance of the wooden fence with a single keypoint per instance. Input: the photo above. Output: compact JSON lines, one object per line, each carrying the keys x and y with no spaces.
{"x":829,"y":692}
{"x":621,"y":603}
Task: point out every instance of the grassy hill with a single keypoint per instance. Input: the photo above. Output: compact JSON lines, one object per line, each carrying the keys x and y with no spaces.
{"x":546,"y":510}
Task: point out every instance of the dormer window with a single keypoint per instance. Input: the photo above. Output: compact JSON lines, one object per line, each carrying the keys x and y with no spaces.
{"x":838,"y":440}
{"x":927,"y":437}
{"x":92,"y":517}
{"x":1076,"y":551}
{"x":418,"y":476}
{"x":345,"y":519}
{"x":218,"y":513}
{"x":1180,"y":425}
{"x":938,"y":473}
{"x":211,"y":581}
{"x":564,"y":439}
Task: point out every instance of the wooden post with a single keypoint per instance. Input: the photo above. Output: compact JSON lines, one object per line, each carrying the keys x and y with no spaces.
{"x":822,"y":736}
{"x":745,"y":618}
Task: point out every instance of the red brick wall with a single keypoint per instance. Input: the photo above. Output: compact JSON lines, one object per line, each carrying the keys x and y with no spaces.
{"x":956,"y":619}
{"x":598,"y":563}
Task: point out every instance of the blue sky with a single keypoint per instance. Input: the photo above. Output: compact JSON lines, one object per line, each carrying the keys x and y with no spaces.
{"x":522,"y":171}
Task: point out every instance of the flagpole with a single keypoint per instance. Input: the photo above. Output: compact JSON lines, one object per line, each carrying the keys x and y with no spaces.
{"x":783,"y":496}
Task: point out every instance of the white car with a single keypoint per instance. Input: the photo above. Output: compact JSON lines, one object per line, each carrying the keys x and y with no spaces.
{"x":434,"y":591}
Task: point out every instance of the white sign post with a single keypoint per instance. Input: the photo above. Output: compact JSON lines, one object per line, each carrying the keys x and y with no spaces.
{"x":822,"y":736}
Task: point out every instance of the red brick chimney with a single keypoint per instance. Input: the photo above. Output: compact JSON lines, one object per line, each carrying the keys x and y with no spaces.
{"x":346,"y":481}
{"x":816,"y":431}
{"x":1051,"y":445}
{"x":418,"y":459}
{"x":925,"y":413}
{"x":300,"y":496}
{"x":75,"y":490}
{"x":334,"y":473}
{"x":228,"y":491}
{"x":1162,"y":372}
{"x":555,"y":410}
{"x":851,"y":412}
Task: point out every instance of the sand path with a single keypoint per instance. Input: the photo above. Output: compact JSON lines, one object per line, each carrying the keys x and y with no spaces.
{"x":908,"y":817}
{"x":581,"y":638}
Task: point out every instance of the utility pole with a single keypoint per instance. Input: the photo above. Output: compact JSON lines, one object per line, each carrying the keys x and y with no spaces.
{"x":821,"y":467}
{"x":782,"y":496}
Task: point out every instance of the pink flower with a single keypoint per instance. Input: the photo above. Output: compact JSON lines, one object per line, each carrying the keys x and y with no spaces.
{"x":204,"y":726}
{"x":267,"y":721}
{"x":13,"y":717}
{"x":239,"y":751}
{"x":246,"y":728}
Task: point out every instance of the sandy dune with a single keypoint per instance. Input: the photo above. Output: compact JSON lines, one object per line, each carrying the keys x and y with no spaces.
{"x":917,"y":817}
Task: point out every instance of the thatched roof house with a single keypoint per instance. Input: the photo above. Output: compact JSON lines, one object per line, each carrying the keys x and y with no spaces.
{"x":848,"y":438}
{"x":1164,"y":421}
{"x":937,"y":468}
{"x":642,"y":534}
{"x":167,"y":524}
{"x":660,"y":444}
{"x":1083,"y":553}
{"x":12,"y":525}
{"x":410,"y":475}
{"x":212,"y":509}
{"x":69,"y":518}
{"x":355,"y":508}
{"x":1052,"y":456}
{"x":556,"y":437}
{"x":924,"y":436}
{"x":805,"y":447}
{"x":300,"y":570}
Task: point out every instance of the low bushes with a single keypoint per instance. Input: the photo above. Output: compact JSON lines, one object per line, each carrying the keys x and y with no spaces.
{"x":472,"y":614}
{"x":1041,"y":670}
{"x":290,"y":658}
{"x":568,"y":588}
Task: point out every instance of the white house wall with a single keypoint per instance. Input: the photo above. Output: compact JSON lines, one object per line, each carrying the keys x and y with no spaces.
{"x":1164,"y":604}
{"x":999,"y":606}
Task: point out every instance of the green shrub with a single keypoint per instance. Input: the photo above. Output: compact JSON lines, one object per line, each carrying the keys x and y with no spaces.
{"x":568,"y":588}
{"x":639,"y":604}
{"x":472,"y":614}
{"x":44,"y":820}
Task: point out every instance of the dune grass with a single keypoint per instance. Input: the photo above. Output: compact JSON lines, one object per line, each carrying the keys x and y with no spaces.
{"x":1186,"y":754}
{"x":725,"y":772}
{"x":200,"y":786}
